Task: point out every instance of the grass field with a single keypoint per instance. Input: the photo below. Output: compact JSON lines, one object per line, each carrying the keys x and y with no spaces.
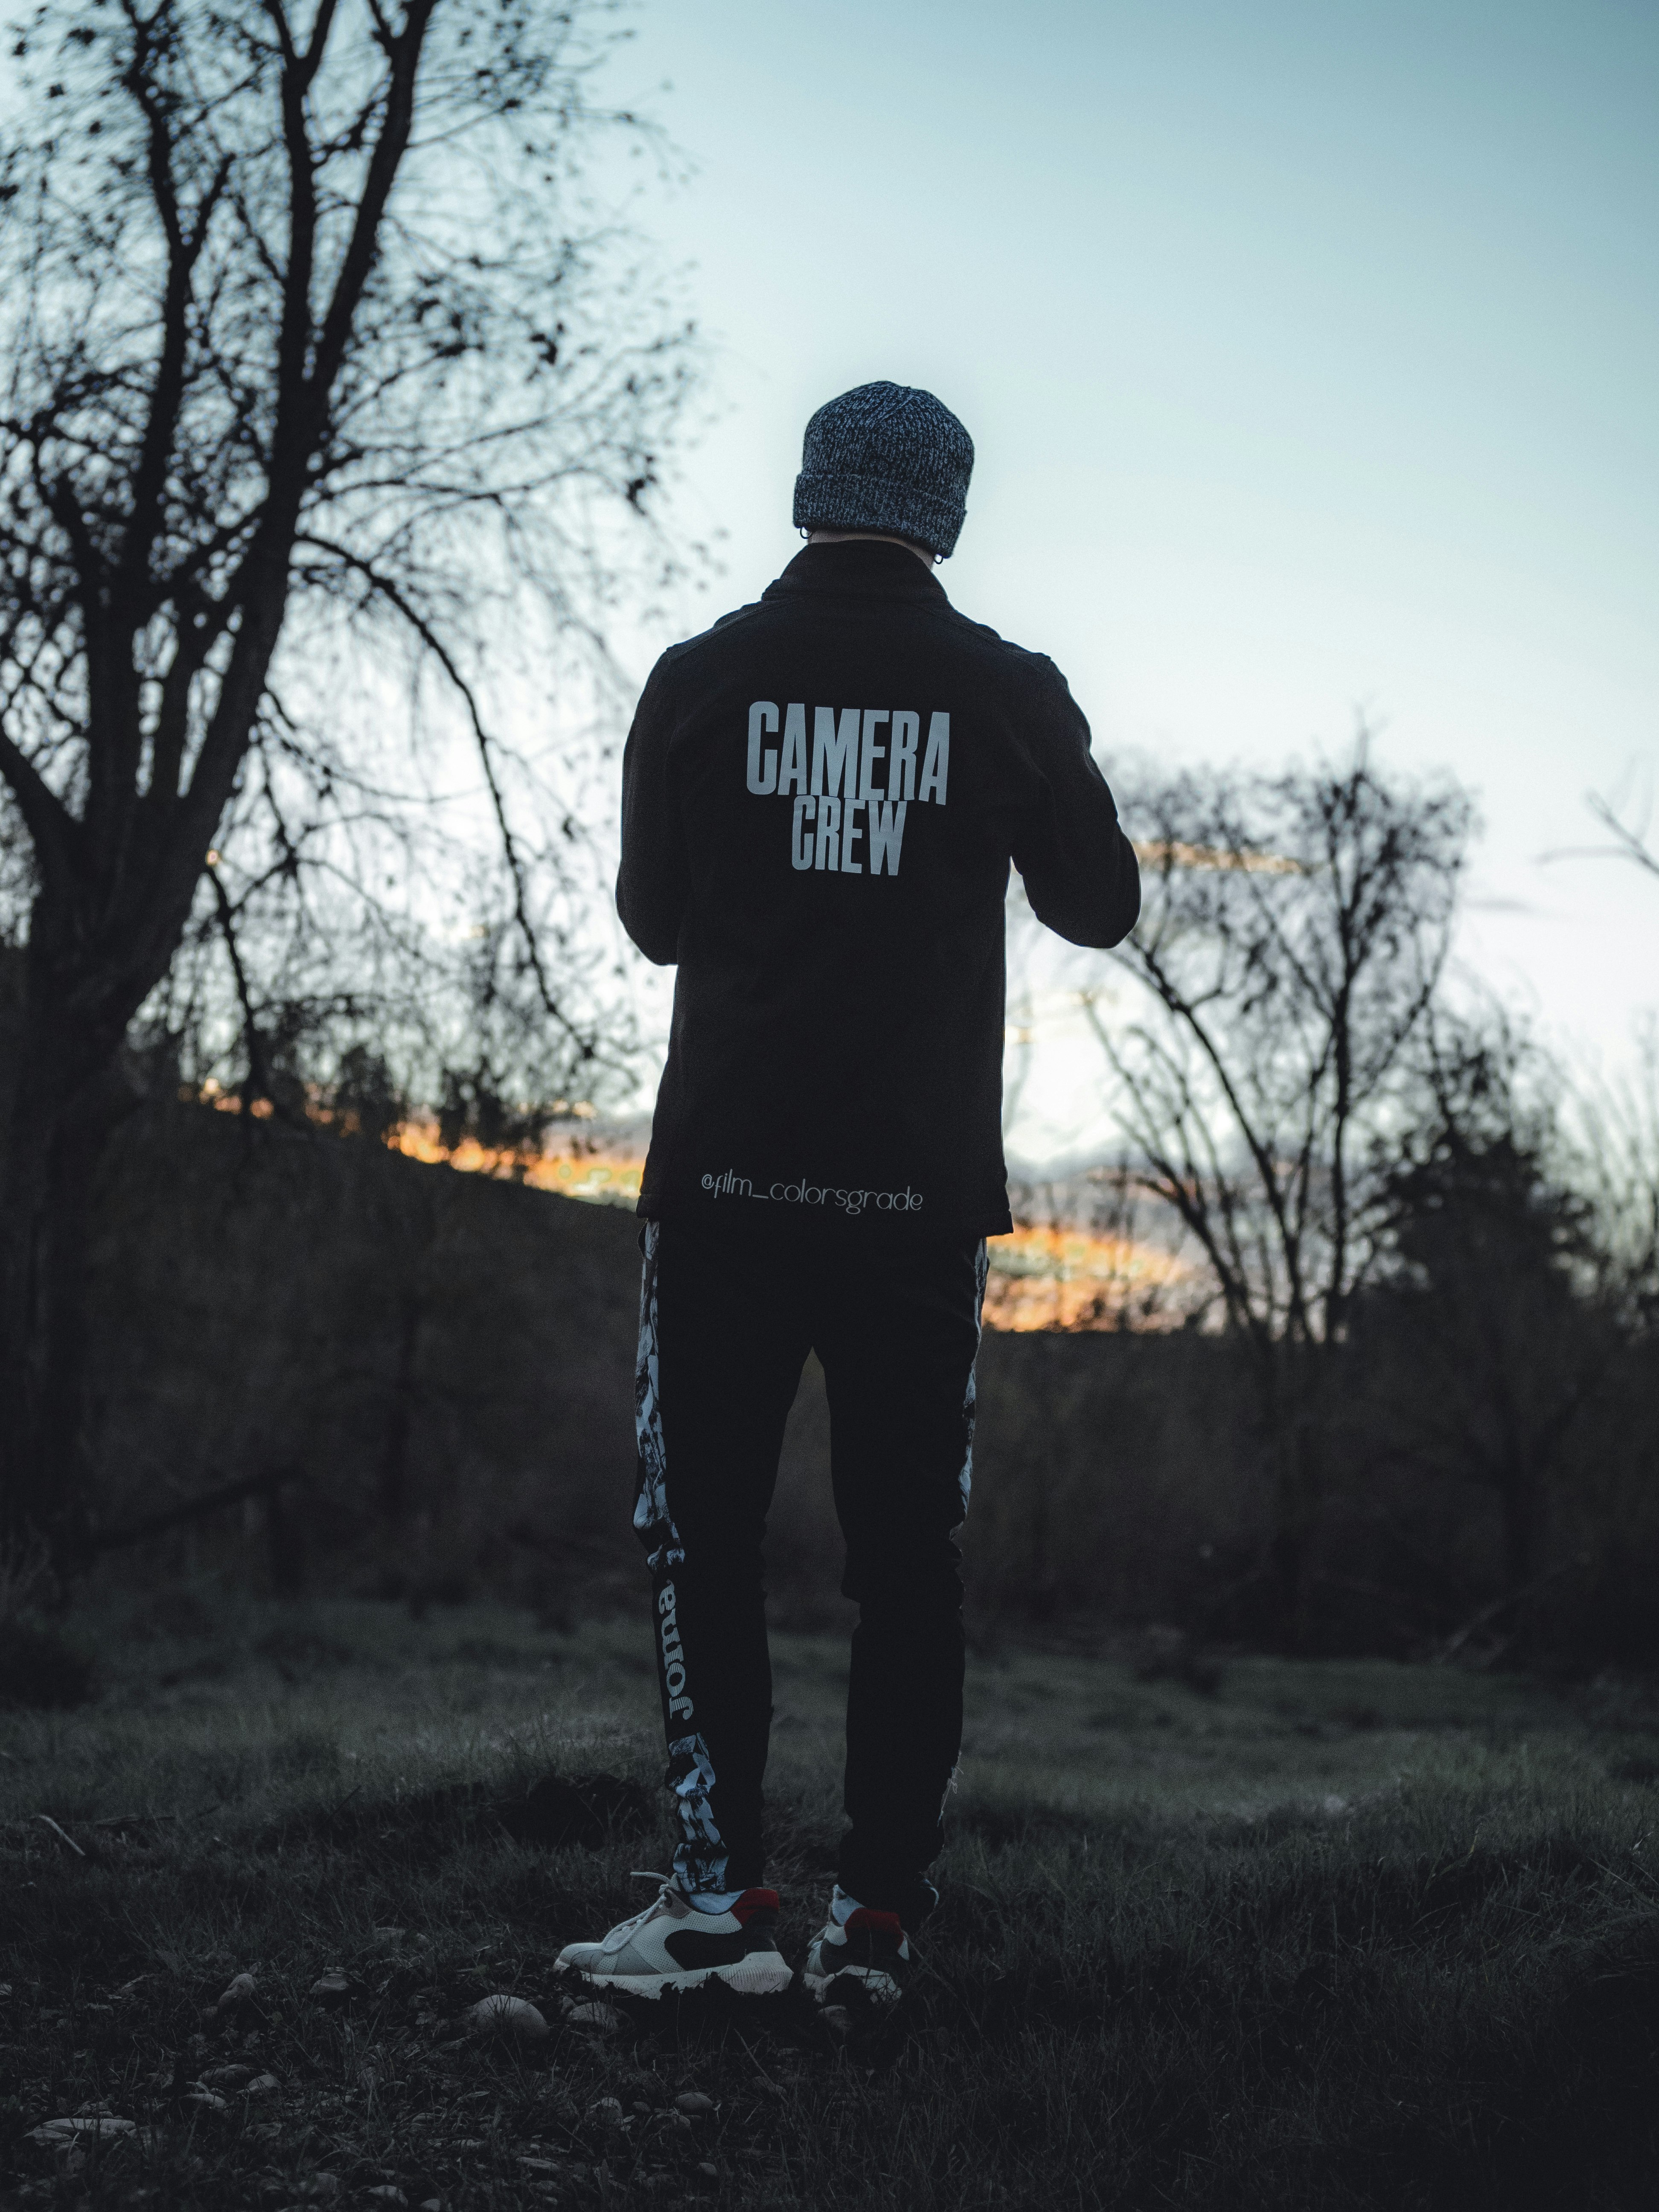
{"x":1321,"y":1935}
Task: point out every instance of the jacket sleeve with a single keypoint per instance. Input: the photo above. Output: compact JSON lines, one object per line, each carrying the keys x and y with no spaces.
{"x":1078,"y":868}
{"x":653,"y":882}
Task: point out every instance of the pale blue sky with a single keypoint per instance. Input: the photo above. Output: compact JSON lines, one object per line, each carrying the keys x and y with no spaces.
{"x":1311,"y":355}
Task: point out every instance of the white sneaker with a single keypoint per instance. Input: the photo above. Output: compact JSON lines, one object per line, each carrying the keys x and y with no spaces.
{"x":674,"y":1945}
{"x":868,"y":1955}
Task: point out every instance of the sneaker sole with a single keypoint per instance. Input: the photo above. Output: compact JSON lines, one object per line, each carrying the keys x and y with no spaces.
{"x":764,"y":1975}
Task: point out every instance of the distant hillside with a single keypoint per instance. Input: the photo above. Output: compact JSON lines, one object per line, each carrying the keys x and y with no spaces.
{"x":435,"y":1370}
{"x":438,"y":1365}
{"x":428,"y":1376}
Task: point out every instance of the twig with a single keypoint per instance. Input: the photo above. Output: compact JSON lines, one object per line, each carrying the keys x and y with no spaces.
{"x":1488,"y":1613}
{"x":1396,"y":1601}
{"x":62,"y":1836}
{"x":1630,"y":844}
{"x":209,"y":1501}
{"x":258,"y":1074}
{"x":760,"y":2071}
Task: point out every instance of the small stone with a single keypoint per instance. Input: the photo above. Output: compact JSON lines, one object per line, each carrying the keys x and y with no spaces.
{"x":608,"y":2112}
{"x":388,"y":1939}
{"x":601,"y":2018}
{"x":837,"y":2019}
{"x":694,"y":2104}
{"x":539,"y":2165}
{"x":1334,"y":1805}
{"x":709,"y":2171}
{"x":321,"y":2184}
{"x":242,"y":1991}
{"x":262,"y":2086}
{"x":331,"y":1986}
{"x":432,"y":2204}
{"x":388,"y":2192}
{"x":208,"y":2099}
{"x":52,"y":2133}
{"x":226,"y":2077}
{"x":504,"y":2015}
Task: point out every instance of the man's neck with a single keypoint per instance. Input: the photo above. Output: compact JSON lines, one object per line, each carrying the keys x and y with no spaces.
{"x":878,"y":537}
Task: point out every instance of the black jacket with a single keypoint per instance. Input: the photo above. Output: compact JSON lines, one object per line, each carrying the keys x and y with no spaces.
{"x":831,"y":879}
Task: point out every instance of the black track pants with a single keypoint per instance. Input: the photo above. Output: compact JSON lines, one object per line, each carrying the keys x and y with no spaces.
{"x":726,"y":1324}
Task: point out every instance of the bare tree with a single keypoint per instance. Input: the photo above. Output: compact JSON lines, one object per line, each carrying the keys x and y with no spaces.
{"x":1293,"y":932}
{"x":1617,"y":1169}
{"x":313,"y":349}
{"x":1492,"y":1308}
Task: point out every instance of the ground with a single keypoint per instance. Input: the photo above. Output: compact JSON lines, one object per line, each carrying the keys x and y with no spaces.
{"x":1328,"y":1935}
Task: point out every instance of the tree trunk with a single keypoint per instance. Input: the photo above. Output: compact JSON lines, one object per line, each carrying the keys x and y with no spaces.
{"x":1295,"y":1513}
{"x":1517,"y":1499}
{"x":1298,"y":1489}
{"x":394,"y":1455}
{"x":63,"y":1096}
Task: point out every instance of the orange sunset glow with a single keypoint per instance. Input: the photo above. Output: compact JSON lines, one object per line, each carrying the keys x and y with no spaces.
{"x":1041,"y":1278}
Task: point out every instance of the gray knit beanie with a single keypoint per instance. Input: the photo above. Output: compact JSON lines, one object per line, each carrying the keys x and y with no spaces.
{"x":885,"y":456}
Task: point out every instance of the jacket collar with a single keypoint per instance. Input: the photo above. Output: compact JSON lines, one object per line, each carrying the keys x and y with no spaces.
{"x":866,"y":568}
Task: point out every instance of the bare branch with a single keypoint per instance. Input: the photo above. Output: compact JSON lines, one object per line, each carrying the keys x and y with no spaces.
{"x":52,"y":827}
{"x":1629,"y":841}
{"x":383,"y":588}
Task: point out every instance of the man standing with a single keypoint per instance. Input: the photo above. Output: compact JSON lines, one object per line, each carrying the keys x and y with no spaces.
{"x":820,"y":797}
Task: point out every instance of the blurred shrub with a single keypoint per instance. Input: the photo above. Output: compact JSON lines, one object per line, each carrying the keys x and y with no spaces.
{"x":39,"y":1671}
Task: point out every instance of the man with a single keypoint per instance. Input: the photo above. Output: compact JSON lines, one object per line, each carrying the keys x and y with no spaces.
{"x":826,"y":1157}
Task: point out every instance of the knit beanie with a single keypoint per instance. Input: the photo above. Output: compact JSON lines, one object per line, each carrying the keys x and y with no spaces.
{"x":885,"y":456}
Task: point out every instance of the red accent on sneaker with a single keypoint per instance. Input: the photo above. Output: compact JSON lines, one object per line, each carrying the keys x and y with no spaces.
{"x":753,"y":1901}
{"x":878,"y":1924}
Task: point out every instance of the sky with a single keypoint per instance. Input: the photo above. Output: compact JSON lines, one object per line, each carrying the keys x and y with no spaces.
{"x":1310,"y":353}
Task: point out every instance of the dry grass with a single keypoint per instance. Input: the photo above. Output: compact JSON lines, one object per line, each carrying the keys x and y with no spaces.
{"x":1345,"y":1934}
